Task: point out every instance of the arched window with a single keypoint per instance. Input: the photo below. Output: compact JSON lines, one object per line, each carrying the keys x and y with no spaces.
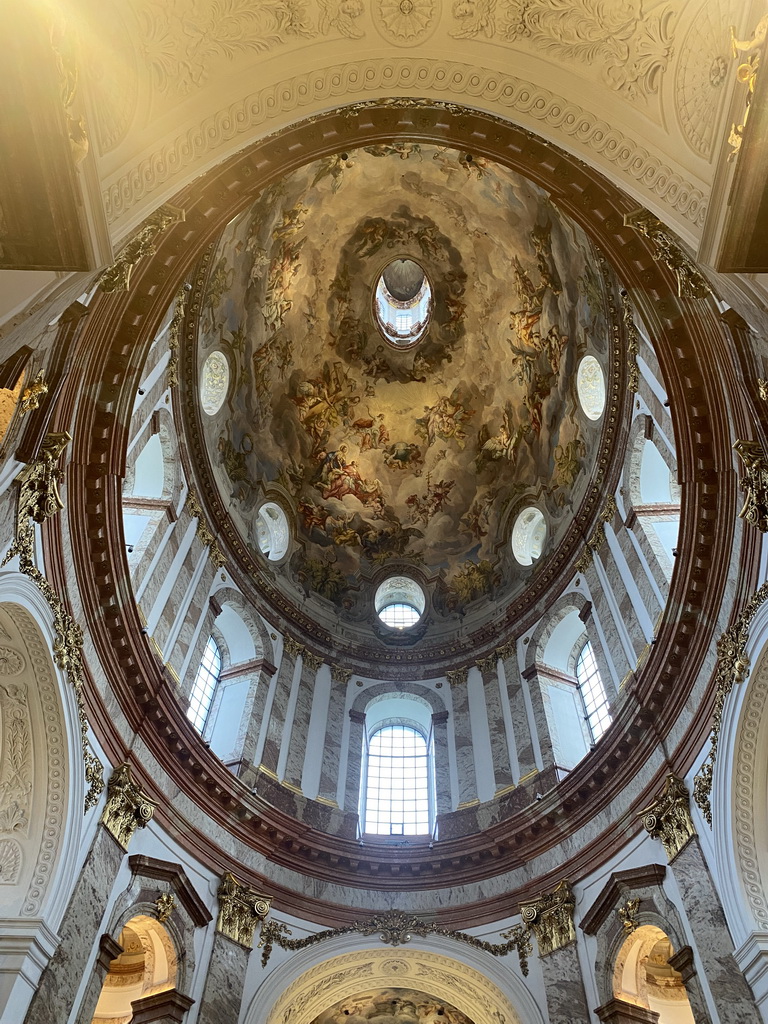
{"x":397,"y":790}
{"x":206,"y":681}
{"x":592,"y":692}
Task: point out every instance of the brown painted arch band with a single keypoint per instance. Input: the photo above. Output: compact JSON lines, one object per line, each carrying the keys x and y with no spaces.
{"x":707,"y":409}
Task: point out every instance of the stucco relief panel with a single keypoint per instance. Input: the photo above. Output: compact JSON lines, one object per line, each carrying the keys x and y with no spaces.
{"x":701,"y":72}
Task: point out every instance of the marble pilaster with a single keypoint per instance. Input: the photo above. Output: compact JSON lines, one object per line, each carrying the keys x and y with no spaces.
{"x":276,"y":723}
{"x":187,"y":619}
{"x":543,"y":733}
{"x":354,"y":760}
{"x":462,"y":728}
{"x":60,"y":980}
{"x":564,"y":986}
{"x":224,"y":981}
{"x":518,"y":706}
{"x":334,"y":727}
{"x":109,"y":950}
{"x":615,"y":635}
{"x":502,"y":769}
{"x":730,"y":992}
{"x":297,"y":744}
{"x":441,"y":767}
{"x":250,"y":722}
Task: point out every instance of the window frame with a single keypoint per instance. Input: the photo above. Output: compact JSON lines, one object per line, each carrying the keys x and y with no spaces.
{"x":428,"y":739}
{"x":602,"y":708}
{"x":200,"y":717}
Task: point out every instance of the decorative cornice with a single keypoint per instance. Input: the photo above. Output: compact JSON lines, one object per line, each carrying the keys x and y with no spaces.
{"x":241,"y":908}
{"x":127,"y":807}
{"x":395,"y":928}
{"x":514,"y":96}
{"x":754,"y":483}
{"x":668,"y":818}
{"x":550,"y":918}
{"x":732,"y":667}
{"x":117,"y":278}
{"x":691,"y":283}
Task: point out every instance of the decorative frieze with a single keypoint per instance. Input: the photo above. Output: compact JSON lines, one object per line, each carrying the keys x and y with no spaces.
{"x":668,"y":818}
{"x":550,"y":918}
{"x":127,"y":807}
{"x":732,"y":667}
{"x":241,"y":908}
{"x":754,"y":483}
{"x":691,"y":283}
{"x":117,"y":277}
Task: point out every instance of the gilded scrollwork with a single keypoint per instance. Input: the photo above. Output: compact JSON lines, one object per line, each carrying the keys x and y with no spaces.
{"x":754,"y":483}
{"x":668,"y":818}
{"x":174,"y":337}
{"x":33,"y":393}
{"x":691,"y":283}
{"x":241,"y":908}
{"x":627,"y":914}
{"x":633,"y":343}
{"x":164,"y":905}
{"x":38,"y":500}
{"x":732,"y":667}
{"x":395,"y":928}
{"x":117,"y":277}
{"x":550,"y":918}
{"x":204,"y":532}
{"x":127,"y":807}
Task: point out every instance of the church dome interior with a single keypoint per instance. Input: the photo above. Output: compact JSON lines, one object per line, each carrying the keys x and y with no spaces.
{"x":383,"y":601}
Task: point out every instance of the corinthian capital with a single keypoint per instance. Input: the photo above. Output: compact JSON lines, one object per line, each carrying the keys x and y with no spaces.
{"x":550,"y":918}
{"x":241,"y":908}
{"x":127,"y":807}
{"x":668,"y":818}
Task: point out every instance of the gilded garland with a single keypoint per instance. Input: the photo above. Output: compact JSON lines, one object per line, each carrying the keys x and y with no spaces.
{"x":732,"y":667}
{"x":395,"y":928}
{"x":38,"y":500}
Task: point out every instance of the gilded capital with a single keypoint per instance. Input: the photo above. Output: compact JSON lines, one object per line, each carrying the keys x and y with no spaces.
{"x":292,"y":647}
{"x":340,"y":675}
{"x":311,"y":661}
{"x":488,"y":666}
{"x":127,"y":807}
{"x":456,"y":677}
{"x":754,"y":483}
{"x":241,"y":908}
{"x":668,"y":818}
{"x":550,"y":918}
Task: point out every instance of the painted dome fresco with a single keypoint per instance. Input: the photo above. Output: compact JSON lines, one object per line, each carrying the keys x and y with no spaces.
{"x":393,"y":381}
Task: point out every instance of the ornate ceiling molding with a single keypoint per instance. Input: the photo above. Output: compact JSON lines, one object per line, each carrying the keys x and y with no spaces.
{"x":581,"y":129}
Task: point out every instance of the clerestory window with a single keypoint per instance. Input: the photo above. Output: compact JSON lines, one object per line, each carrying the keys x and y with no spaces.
{"x":398,"y":783}
{"x":592,"y":692}
{"x":204,"y":688}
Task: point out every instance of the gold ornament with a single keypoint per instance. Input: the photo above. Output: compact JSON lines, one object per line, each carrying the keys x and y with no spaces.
{"x":691,"y":283}
{"x":30,"y":397}
{"x":117,"y":278}
{"x":241,"y":908}
{"x":754,"y":483}
{"x":127,"y":807}
{"x":550,"y":918}
{"x":668,"y":818}
{"x":628,"y":914}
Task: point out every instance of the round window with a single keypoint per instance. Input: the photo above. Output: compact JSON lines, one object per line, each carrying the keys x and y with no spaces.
{"x":403,"y":303}
{"x":590,"y":385}
{"x":214,"y":382}
{"x":528,"y":535}
{"x":399,"y":602}
{"x":272,"y":533}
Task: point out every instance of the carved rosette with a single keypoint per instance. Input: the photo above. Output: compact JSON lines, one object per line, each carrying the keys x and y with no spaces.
{"x":550,"y":918}
{"x":405,"y":22}
{"x":668,"y":818}
{"x":754,"y":484}
{"x":241,"y":908}
{"x":127,"y":807}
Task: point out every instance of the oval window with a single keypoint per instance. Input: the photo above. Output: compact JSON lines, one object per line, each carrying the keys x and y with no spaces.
{"x":272,"y":533}
{"x":399,"y":602}
{"x":590,"y":385}
{"x":528,"y":535}
{"x":214,"y":382}
{"x":403,"y":303}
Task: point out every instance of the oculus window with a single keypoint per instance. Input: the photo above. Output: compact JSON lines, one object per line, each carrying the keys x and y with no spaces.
{"x":528,"y":535}
{"x":403,"y":303}
{"x":272,"y":532}
{"x":399,"y":602}
{"x":592,"y":692}
{"x":397,"y":788}
{"x":204,"y":688}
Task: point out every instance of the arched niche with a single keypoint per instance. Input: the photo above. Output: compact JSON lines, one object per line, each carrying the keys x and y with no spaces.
{"x":474,"y":984}
{"x":643,"y":976}
{"x":147,"y":965}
